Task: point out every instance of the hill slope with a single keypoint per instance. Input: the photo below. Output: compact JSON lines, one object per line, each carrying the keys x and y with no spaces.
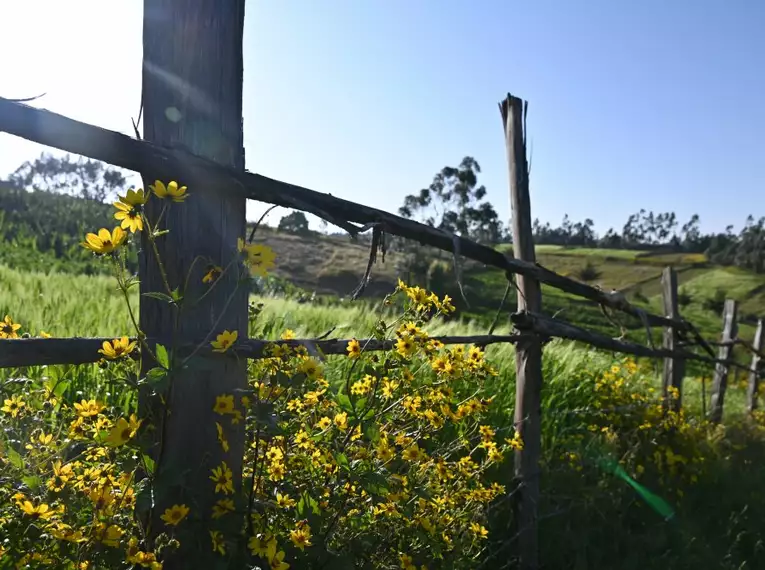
{"x":335,"y":265}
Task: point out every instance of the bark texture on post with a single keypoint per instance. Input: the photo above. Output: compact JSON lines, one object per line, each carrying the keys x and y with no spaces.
{"x":674,"y":368}
{"x":192,"y":99}
{"x":528,"y":351}
{"x":720,"y":379}
{"x":754,"y":372}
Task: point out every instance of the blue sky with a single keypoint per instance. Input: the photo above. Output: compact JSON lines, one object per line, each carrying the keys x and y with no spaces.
{"x":654,"y":104}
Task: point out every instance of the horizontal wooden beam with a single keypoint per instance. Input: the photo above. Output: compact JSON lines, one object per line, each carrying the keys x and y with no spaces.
{"x":527,"y":322}
{"x":58,"y":131}
{"x":16,"y":353}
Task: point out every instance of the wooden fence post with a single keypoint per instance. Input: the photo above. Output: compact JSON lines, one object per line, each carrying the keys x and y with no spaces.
{"x":528,"y":351}
{"x":720,"y":379}
{"x":674,"y":368}
{"x":192,"y":99}
{"x":754,"y":369}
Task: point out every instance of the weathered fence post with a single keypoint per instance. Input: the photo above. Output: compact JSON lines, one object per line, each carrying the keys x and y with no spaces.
{"x":674,"y":368}
{"x":720,"y":379}
{"x":192,"y":100}
{"x":528,"y":351}
{"x":754,"y":369}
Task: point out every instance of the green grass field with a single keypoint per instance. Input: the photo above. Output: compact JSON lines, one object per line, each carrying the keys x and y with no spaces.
{"x":65,"y":305}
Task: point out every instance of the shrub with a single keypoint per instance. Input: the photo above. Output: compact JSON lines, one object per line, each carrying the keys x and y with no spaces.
{"x":373,"y":465}
{"x":684,"y":298}
{"x":588,"y":273}
{"x":715,"y":303}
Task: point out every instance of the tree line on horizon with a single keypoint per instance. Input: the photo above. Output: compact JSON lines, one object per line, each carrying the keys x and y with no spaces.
{"x":46,"y":204}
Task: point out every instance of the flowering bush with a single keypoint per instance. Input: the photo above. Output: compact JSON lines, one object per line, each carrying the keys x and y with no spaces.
{"x":386,"y":462}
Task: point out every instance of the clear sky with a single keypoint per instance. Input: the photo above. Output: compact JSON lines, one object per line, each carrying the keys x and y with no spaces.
{"x":656,"y":104}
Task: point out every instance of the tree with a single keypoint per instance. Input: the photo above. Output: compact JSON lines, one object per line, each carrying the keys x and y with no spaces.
{"x":455,"y":203}
{"x":294,"y":223}
{"x":82,"y":177}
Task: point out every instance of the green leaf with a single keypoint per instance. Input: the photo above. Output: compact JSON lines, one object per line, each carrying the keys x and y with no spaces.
{"x":306,"y":504}
{"x":148,"y":464}
{"x":14,"y":457}
{"x":144,"y":499}
{"x":372,"y":432}
{"x":157,"y":379}
{"x":32,"y":481}
{"x":57,"y":387}
{"x":162,"y":357}
{"x":344,"y":402}
{"x":374,"y":483}
{"x":176,"y":295}
{"x":159,"y":296}
{"x":342,"y":461}
{"x":282,"y":379}
{"x":131,"y":281}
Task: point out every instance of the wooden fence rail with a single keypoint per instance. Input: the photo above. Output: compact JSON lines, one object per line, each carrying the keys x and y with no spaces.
{"x":20,"y":352}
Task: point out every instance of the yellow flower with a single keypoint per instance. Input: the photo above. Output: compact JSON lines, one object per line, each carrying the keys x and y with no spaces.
{"x":222,"y":437}
{"x":276,"y":471}
{"x":288,"y":334}
{"x":123,"y":431}
{"x":135,"y":197}
{"x":224,"y":404}
{"x":515,"y":443}
{"x":129,"y":217}
{"x":384,"y":451}
{"x":406,"y":562}
{"x":311,"y":368}
{"x":212,"y":275}
{"x":223,"y":478}
{"x":275,"y":559}
{"x":478,"y":530}
{"x":13,"y":405}
{"x":301,"y":536}
{"x":224,"y":341}
{"x":88,"y":408}
{"x":44,"y":334}
{"x":354,"y":349}
{"x":62,"y":474}
{"x":413,"y":453}
{"x":175,"y":514}
{"x":324,"y":423}
{"x":405,"y":346}
{"x":117,"y":348}
{"x":104,"y":242}
{"x":341,"y":420}
{"x":172,"y":191}
{"x":222,"y":507}
{"x":8,"y":328}
{"x":217,"y":542}
{"x":258,"y":257}
{"x":486,"y":433}
{"x":41,"y":511}
{"x":284,"y":501}
{"x":259,"y":545}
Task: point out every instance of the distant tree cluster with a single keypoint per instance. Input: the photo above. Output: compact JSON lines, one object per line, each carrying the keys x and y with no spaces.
{"x":294,"y":223}
{"x":646,"y":230}
{"x":47,"y":206}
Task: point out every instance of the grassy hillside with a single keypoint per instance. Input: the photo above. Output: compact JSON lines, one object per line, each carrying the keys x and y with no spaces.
{"x":334,"y":265}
